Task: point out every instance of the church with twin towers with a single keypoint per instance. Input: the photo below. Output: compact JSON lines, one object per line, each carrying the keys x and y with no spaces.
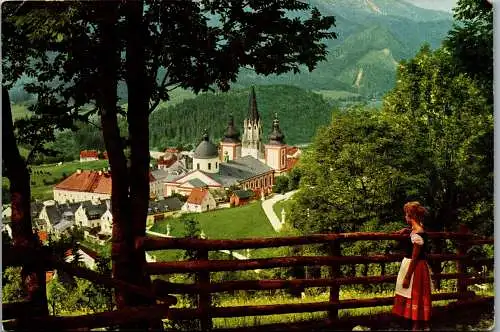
{"x":249,"y":160}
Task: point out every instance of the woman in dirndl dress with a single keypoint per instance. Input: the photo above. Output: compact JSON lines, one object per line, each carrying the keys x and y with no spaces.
{"x":412,"y":298}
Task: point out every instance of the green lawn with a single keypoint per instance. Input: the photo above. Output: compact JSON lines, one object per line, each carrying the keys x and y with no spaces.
{"x":20,"y":111}
{"x":232,"y":223}
{"x":283,"y":204}
{"x":53,"y":174}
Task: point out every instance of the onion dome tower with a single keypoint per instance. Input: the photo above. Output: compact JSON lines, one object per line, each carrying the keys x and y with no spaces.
{"x":231,"y":143}
{"x":276,"y":149}
{"x":206,"y":156}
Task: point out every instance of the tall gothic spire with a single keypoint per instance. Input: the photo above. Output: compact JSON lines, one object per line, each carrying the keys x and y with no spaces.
{"x":253,"y":113}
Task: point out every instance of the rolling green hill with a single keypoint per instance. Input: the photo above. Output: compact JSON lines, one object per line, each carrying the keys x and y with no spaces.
{"x":373,"y":36}
{"x":300,"y":113}
{"x":366,"y":29}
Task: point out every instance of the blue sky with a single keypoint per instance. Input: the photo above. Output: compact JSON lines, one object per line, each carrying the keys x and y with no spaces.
{"x":445,"y":5}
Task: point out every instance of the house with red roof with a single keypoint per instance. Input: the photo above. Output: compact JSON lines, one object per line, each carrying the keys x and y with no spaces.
{"x":84,"y":185}
{"x":89,"y":185}
{"x":166,"y":161}
{"x":199,"y":200}
{"x":89,"y":155}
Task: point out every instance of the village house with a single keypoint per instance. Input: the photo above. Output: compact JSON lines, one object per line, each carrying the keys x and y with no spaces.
{"x":159,"y":210}
{"x":58,"y":218}
{"x":89,"y":155}
{"x":89,"y":185}
{"x":86,"y":255}
{"x":241,"y":197}
{"x":199,"y":200}
{"x":84,"y":185}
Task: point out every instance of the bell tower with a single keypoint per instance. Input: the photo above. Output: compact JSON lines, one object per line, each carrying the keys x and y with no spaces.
{"x":230,"y":144}
{"x":276,"y":149}
{"x":251,"y":143}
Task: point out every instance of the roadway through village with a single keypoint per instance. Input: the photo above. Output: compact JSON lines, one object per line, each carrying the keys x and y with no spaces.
{"x":268,"y":204}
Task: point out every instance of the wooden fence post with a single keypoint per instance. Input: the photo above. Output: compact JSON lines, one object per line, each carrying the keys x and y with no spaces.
{"x":462,"y":248}
{"x":204,"y":297}
{"x":333,"y":314}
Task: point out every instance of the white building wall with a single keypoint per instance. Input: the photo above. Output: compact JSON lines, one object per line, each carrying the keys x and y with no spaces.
{"x":61,"y":196}
{"x":272,"y":157}
{"x":233,"y":151}
{"x":204,"y":163}
{"x":107,"y":223}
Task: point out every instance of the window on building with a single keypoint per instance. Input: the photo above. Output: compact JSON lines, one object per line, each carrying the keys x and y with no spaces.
{"x":209,"y":166}
{"x":197,"y":166}
{"x":216,"y":165}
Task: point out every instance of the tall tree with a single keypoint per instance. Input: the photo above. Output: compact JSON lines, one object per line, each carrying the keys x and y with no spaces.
{"x":32,"y":277}
{"x":352,"y":173}
{"x":471,"y":41}
{"x":84,"y":50}
{"x":449,"y":131}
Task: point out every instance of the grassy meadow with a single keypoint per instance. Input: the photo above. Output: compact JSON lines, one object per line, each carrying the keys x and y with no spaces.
{"x":233,"y":223}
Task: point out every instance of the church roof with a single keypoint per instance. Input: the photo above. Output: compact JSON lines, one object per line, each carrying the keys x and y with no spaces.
{"x":197,"y":183}
{"x":231,"y":135}
{"x":276,"y":136}
{"x":238,"y":170}
{"x":253,"y":113}
{"x":206,"y":149}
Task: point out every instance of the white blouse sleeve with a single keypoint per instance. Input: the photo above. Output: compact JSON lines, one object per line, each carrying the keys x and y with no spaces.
{"x":417,"y":239}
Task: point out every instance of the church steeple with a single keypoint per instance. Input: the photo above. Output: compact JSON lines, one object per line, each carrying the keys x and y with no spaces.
{"x":276,"y":136}
{"x":231,"y":135}
{"x":252,"y":130}
{"x":253,"y":113}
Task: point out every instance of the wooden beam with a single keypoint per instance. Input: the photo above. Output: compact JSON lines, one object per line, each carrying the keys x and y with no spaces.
{"x":110,"y":282}
{"x":17,"y":309}
{"x":157,"y":243}
{"x":103,"y":319}
{"x":161,"y":287}
{"x":276,"y":309}
{"x":266,"y":263}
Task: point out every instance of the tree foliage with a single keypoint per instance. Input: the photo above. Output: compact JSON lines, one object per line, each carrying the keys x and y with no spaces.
{"x":351,"y":174}
{"x":79,"y":54}
{"x":471,"y":42}
{"x":431,"y":142}
{"x":449,"y":126}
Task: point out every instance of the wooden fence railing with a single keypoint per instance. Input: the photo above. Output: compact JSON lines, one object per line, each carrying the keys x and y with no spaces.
{"x":17,"y":315}
{"x":203,"y":267}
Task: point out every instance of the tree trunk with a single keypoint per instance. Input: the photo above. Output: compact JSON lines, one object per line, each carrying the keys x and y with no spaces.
{"x":130,"y":194}
{"x":138,"y":127}
{"x":107,"y":103}
{"x":33,"y":278}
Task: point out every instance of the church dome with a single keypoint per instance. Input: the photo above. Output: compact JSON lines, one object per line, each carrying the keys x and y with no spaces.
{"x":206,"y":149}
{"x":231,"y":135}
{"x":276,"y":136}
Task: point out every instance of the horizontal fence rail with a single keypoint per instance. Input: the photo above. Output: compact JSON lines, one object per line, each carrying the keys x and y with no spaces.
{"x":267,"y":263}
{"x":162,"y":287}
{"x":157,"y":243}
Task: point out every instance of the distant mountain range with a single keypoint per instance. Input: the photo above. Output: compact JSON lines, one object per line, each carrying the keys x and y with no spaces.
{"x":373,"y":36}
